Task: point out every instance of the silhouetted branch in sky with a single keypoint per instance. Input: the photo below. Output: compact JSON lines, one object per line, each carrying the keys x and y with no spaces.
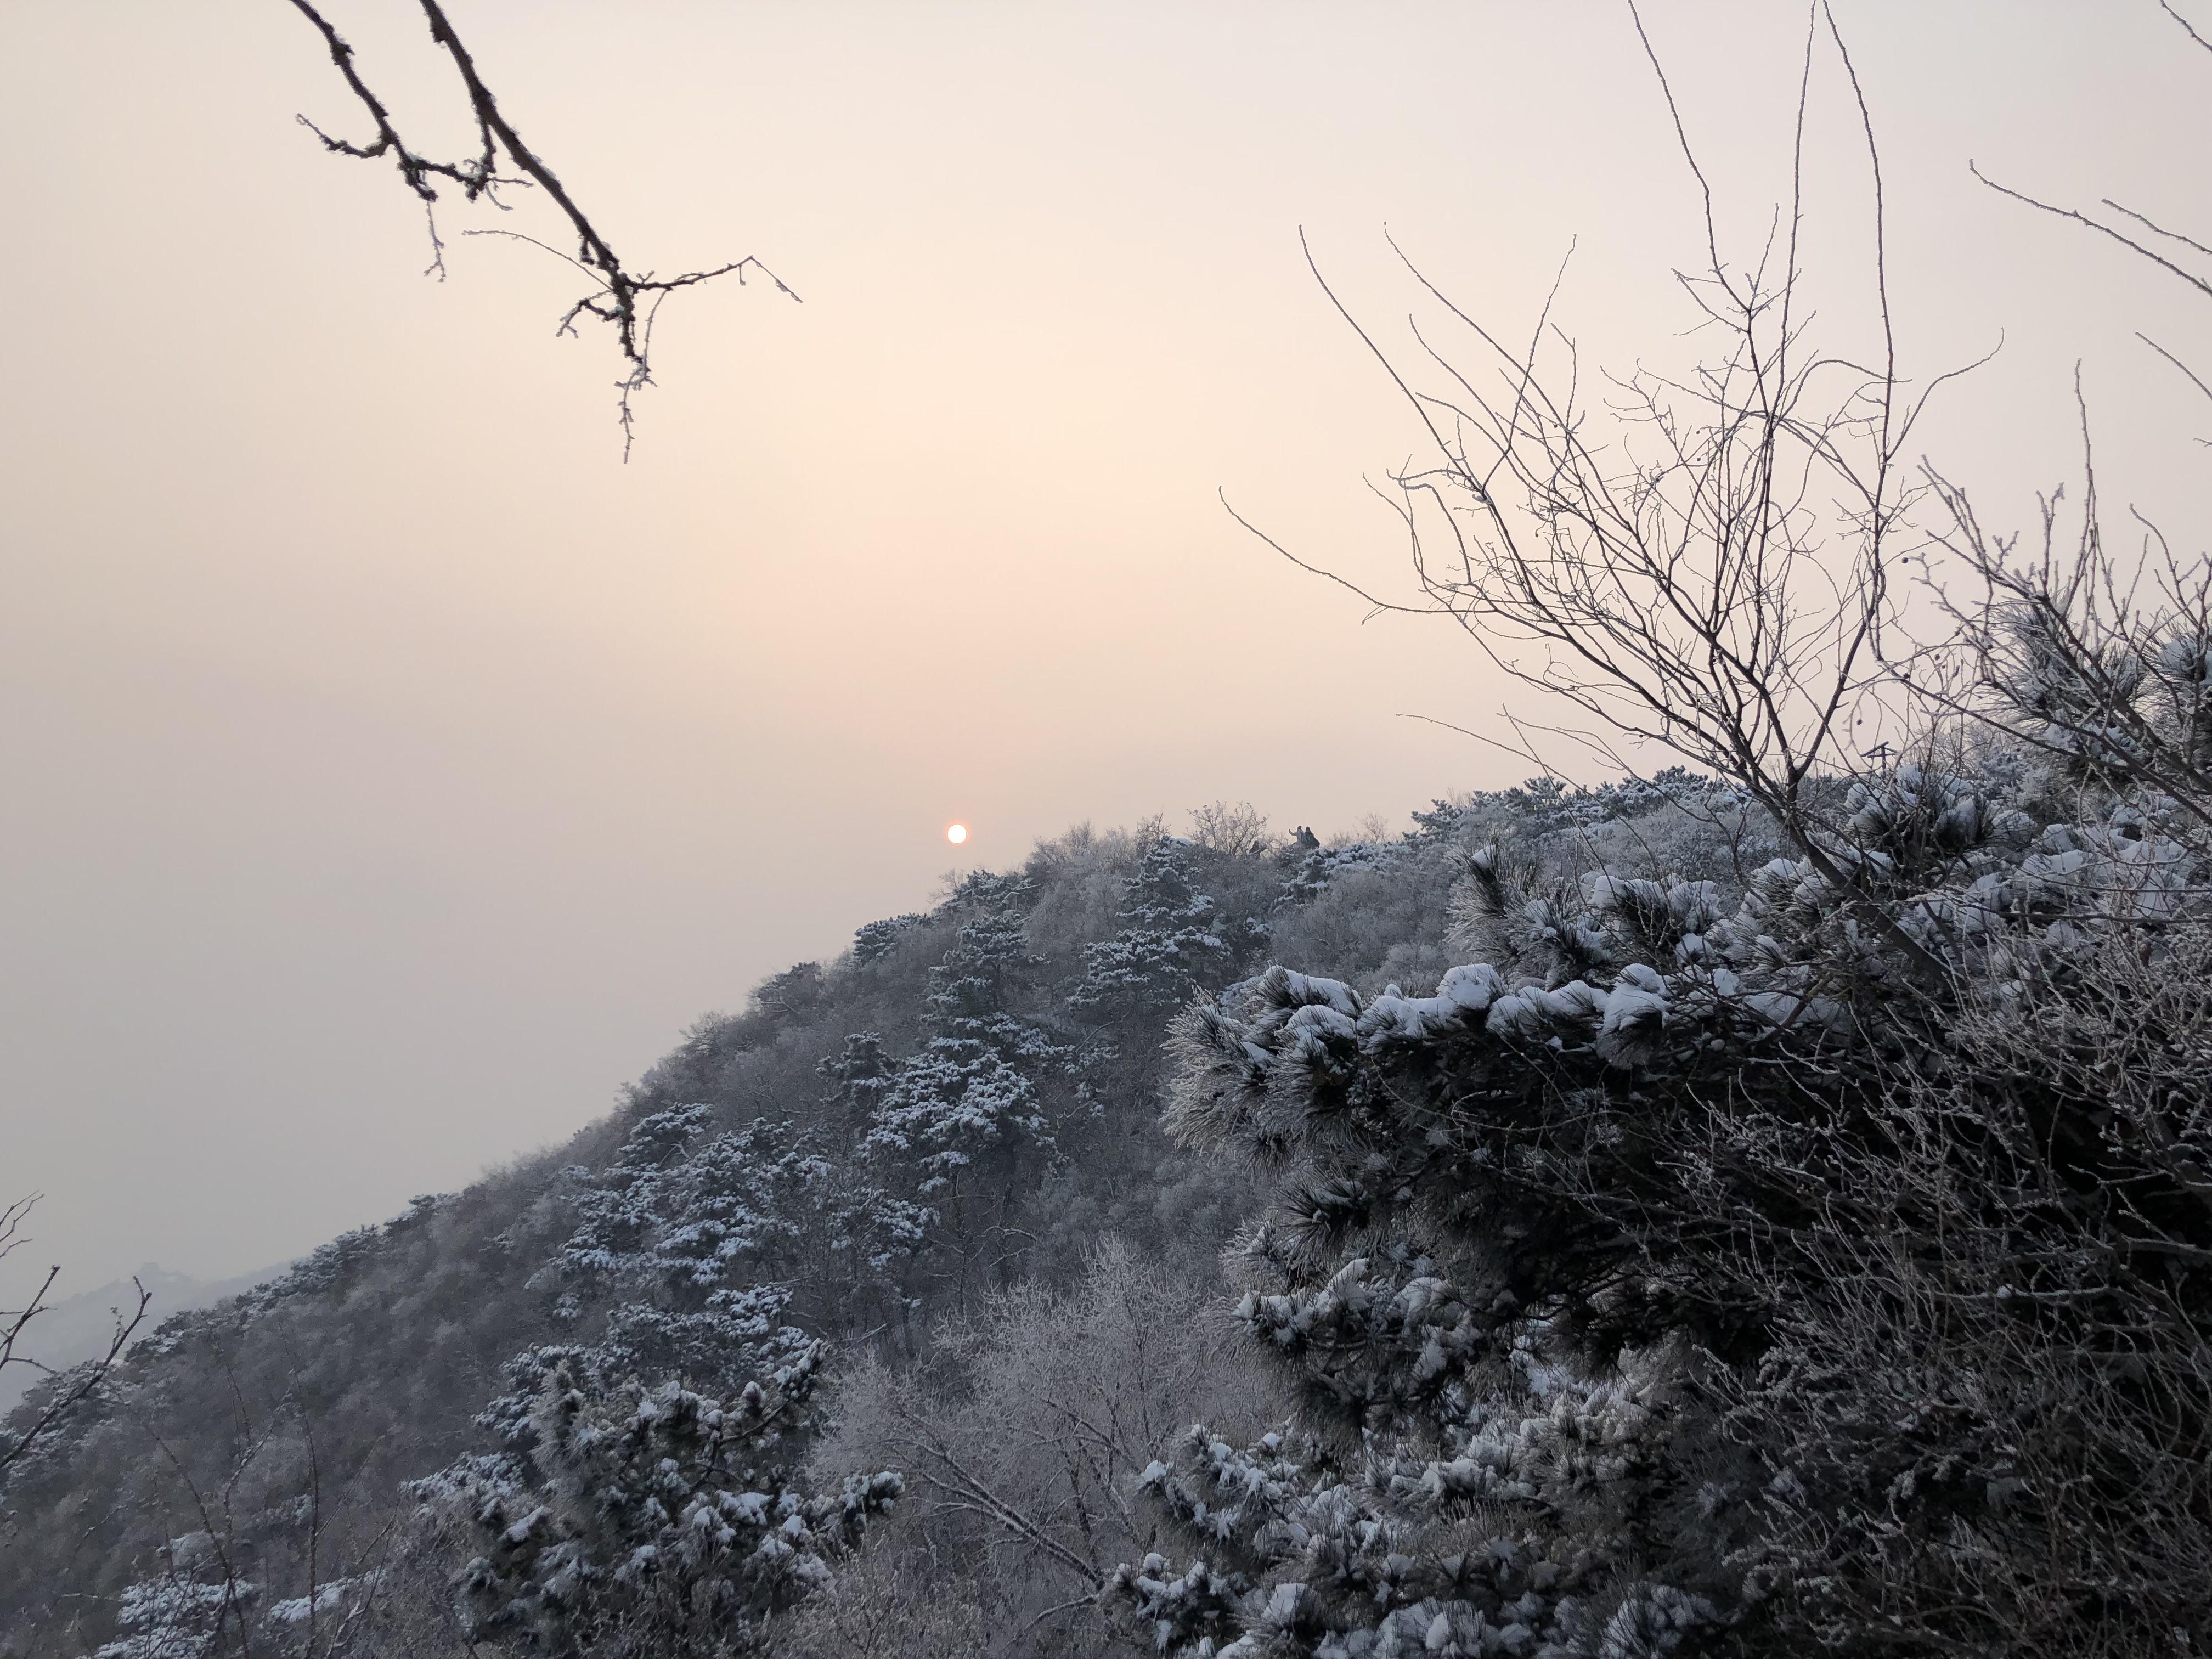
{"x":2142,"y":235}
{"x":1699,"y":563}
{"x":72,"y":1386}
{"x":626,"y":299}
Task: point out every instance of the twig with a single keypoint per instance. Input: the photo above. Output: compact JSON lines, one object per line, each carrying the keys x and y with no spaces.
{"x":615,"y":298}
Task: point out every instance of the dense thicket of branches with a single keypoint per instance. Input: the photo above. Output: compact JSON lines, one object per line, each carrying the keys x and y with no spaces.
{"x":1693,"y":1273}
{"x":1808,"y":1254}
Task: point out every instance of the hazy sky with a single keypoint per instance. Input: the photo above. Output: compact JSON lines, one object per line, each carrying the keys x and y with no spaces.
{"x":390,"y":772}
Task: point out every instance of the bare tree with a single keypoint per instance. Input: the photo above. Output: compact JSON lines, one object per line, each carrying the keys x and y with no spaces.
{"x":2061,"y":1347}
{"x":1704,"y":562}
{"x":2099,"y":662}
{"x":1233,"y":829}
{"x":70,"y":1389}
{"x":624,"y":298}
{"x":1024,"y":1433}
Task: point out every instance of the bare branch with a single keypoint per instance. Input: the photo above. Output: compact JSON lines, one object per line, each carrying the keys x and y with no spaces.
{"x":2166,"y":6}
{"x":2190,"y":278}
{"x":2193,"y":378}
{"x":618,"y":295}
{"x":1703,"y":562}
{"x":71,"y":1388}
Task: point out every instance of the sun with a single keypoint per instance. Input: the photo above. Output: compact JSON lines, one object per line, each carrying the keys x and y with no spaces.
{"x":956,"y":833}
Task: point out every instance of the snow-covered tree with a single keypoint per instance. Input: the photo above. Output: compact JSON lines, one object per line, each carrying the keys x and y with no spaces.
{"x":1698,"y":1273}
{"x":1171,"y":939}
{"x":683,"y":1238}
{"x":1314,"y":868}
{"x":967,"y":1106}
{"x":713,"y":1250}
{"x":657,"y":1521}
{"x":177,"y":1616}
{"x":874,"y":940}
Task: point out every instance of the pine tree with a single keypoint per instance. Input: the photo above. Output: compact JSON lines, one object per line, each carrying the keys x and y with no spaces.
{"x":968,"y":1098}
{"x":874,"y":940}
{"x":1697,"y":1275}
{"x":657,"y":1521}
{"x":1171,"y":939}
{"x":714,"y":1251}
{"x":955,"y":1132}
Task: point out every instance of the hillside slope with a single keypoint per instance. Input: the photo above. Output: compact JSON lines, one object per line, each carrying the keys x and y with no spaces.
{"x":80,"y":1327}
{"x":965,"y":1102}
{"x":1577,"y":1230}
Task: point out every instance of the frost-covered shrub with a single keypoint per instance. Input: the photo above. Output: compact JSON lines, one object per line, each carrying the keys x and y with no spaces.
{"x":1023,"y":1433}
{"x":1703,"y":1256}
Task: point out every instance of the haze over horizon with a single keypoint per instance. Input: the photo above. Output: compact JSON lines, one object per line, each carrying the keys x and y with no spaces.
{"x":393,"y":773}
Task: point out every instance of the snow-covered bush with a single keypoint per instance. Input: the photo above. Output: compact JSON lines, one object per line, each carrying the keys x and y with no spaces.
{"x":1703,"y":1257}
